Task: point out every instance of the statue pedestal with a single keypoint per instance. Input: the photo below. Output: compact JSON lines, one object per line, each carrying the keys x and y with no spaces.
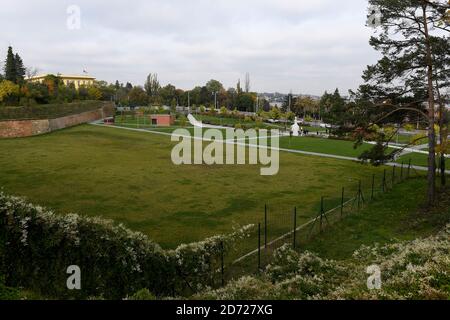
{"x":295,"y":128}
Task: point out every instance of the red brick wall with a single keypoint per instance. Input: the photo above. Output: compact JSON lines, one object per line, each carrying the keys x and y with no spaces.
{"x":26,"y":128}
{"x":23,"y":128}
{"x":164,"y":120}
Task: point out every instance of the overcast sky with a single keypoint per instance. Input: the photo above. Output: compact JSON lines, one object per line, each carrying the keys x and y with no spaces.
{"x":298,"y":45}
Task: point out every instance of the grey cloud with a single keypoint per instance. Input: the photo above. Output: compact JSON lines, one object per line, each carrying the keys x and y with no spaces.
{"x":307,"y":46}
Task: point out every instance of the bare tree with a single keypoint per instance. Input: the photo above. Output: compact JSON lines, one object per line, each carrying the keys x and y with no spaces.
{"x":31,"y":72}
{"x":152,"y":85}
{"x":247,"y":82}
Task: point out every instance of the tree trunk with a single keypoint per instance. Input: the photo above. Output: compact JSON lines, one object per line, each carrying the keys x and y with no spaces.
{"x":431,"y":113}
{"x":442,"y":137}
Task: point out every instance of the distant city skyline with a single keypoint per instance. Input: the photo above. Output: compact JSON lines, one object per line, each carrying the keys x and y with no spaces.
{"x":284,"y":45}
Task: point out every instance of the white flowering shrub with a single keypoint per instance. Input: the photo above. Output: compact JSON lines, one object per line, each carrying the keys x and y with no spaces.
{"x":418,"y":269}
{"x":198,"y":264}
{"x":287,"y":263}
{"x":245,"y":288}
{"x":37,"y":246}
{"x":302,"y":275}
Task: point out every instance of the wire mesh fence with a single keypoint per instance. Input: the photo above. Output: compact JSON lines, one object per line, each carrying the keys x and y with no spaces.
{"x":281,"y":225}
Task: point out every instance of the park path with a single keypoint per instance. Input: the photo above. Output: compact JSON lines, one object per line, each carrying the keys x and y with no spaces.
{"x":308,"y":153}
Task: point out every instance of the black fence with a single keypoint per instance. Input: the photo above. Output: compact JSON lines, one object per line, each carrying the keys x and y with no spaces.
{"x":279,"y":226}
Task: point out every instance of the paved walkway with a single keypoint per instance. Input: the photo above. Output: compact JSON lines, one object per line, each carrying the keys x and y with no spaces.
{"x":405,"y":151}
{"x":316,"y":154}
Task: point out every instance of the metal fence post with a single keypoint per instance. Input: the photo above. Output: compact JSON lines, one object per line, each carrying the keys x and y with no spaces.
{"x":321,"y":214}
{"x":222,"y":264}
{"x":359,"y":195}
{"x":342,"y":201}
{"x":393,"y":176}
{"x":409,"y":167}
{"x":259,"y":247}
{"x":384,"y":181}
{"x":295,"y":226}
{"x":373,"y":186}
{"x":401,"y":172}
{"x":265,"y":226}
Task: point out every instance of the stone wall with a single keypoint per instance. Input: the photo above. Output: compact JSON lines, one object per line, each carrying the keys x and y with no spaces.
{"x":27,"y":128}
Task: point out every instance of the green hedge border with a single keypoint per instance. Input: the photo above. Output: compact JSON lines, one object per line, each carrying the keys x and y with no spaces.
{"x":37,"y":246}
{"x":50,"y":111}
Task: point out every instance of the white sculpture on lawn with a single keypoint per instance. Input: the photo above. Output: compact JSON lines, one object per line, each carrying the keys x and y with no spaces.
{"x":295,"y":128}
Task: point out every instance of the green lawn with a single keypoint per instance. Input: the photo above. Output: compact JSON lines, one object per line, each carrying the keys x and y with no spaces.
{"x":129,"y":177}
{"x":420,"y":159}
{"x":320,"y":145}
{"x":310,"y":144}
{"x":397,"y":214}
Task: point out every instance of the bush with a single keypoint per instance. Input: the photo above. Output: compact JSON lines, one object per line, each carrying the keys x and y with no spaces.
{"x":7,"y":293}
{"x":50,"y":111}
{"x":37,"y":246}
{"x":143,"y":294}
{"x":415,"y":270}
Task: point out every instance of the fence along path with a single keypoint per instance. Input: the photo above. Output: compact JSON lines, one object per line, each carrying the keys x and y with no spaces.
{"x":357,"y":201}
{"x":299,"y":228}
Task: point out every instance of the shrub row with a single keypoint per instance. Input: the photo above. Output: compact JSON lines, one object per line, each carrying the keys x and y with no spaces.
{"x":50,"y":111}
{"x":414,"y":270}
{"x":37,"y":246}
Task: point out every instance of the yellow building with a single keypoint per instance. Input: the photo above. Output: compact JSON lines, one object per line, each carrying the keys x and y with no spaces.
{"x":78,"y":81}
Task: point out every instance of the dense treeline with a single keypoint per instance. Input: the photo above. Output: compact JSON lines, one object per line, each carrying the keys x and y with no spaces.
{"x":211,"y":95}
{"x":16,"y":90}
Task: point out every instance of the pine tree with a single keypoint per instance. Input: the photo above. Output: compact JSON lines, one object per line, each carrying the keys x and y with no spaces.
{"x":10,"y":66}
{"x":20,"y":68}
{"x":414,"y":65}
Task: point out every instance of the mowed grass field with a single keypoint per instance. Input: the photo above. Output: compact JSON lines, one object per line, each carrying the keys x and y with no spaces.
{"x":129,"y":177}
{"x":308,"y":144}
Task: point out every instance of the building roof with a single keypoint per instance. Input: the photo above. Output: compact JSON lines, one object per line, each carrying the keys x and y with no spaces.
{"x":64,"y":76}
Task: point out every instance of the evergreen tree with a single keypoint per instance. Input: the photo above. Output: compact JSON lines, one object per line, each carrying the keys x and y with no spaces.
{"x":414,"y":65}
{"x":10,"y":66}
{"x":20,"y":68}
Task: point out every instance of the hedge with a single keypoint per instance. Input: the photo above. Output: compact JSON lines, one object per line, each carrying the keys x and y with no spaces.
{"x":50,"y":111}
{"x":37,"y":246}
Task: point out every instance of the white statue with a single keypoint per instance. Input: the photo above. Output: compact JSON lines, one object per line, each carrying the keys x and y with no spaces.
{"x":295,"y":128}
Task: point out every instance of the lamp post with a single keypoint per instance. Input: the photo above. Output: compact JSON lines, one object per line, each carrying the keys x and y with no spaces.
{"x":215,"y":99}
{"x":289,"y":107}
{"x":189,"y":101}
{"x":257,"y":103}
